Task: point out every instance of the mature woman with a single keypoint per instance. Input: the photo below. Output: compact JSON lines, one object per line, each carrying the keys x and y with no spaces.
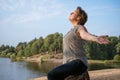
{"x":74,"y":56}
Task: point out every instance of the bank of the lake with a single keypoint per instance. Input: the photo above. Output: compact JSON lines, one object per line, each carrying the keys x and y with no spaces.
{"x":58,"y":58}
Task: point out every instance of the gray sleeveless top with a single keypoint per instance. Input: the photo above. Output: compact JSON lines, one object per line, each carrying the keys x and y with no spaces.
{"x":73,"y":47}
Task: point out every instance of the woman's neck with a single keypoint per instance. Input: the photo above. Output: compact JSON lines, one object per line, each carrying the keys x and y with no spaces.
{"x":74,"y":24}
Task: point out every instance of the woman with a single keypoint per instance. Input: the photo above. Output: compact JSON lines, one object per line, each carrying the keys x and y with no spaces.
{"x":74,"y":56}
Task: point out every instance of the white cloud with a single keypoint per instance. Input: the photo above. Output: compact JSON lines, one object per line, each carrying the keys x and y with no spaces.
{"x":19,"y":11}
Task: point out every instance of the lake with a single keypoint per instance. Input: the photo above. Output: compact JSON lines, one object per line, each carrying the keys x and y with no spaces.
{"x":18,"y":70}
{"x":27,"y":70}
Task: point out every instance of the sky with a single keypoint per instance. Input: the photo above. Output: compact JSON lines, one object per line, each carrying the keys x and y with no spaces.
{"x":25,"y":20}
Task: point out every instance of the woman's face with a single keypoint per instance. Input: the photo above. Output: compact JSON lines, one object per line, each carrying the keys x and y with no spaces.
{"x":73,"y":16}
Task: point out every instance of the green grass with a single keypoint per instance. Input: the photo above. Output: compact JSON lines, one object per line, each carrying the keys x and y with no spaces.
{"x":95,"y":61}
{"x":102,"y":61}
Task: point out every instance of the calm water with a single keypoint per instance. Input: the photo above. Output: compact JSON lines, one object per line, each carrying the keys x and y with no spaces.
{"x":18,"y":70}
{"x":25,"y":70}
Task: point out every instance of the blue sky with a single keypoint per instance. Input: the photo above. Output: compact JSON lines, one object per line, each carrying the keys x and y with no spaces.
{"x":24,"y":20}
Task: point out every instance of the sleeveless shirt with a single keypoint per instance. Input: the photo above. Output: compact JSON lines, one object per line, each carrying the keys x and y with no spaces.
{"x":73,"y":47}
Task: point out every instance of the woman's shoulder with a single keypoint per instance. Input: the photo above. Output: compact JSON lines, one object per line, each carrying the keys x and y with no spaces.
{"x":81,"y":27}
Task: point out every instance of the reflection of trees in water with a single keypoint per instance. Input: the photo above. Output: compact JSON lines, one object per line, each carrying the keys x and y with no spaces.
{"x":32,"y":66}
{"x":98,"y":66}
{"x":114,"y":65}
{"x":43,"y":67}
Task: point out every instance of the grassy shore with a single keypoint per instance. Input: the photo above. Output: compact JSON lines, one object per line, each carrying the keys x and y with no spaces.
{"x":58,"y":58}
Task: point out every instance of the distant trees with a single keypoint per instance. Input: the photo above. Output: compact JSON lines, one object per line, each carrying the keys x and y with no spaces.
{"x":103,"y":52}
{"x":6,"y":51}
{"x":52,"y":43}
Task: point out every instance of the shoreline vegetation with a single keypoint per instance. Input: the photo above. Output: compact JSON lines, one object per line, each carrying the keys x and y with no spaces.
{"x":53,"y":44}
{"x":58,"y":58}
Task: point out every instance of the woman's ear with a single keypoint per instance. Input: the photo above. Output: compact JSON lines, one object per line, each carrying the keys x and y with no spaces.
{"x":78,"y":18}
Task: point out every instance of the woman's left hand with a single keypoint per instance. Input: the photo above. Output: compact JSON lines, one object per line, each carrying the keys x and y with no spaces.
{"x":103,"y":39}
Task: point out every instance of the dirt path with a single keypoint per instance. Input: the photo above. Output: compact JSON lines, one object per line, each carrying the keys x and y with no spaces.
{"x":106,"y":74}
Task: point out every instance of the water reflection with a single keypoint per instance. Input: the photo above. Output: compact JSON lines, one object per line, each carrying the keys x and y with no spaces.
{"x":27,"y":70}
{"x":98,"y":66}
{"x":46,"y":66}
{"x":43,"y":67}
{"x":18,"y":70}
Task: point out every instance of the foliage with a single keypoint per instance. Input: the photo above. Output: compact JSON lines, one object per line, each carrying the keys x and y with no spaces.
{"x":13,"y":57}
{"x":53,"y":43}
{"x":43,"y":57}
{"x":118,"y":47}
{"x":117,"y":57}
{"x":102,"y":52}
{"x":20,"y":53}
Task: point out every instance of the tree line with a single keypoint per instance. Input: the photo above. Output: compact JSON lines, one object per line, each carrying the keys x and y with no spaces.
{"x":53,"y":44}
{"x":103,"y":52}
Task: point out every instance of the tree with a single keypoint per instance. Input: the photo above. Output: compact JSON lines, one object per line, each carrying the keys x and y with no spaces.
{"x":91,"y":49}
{"x":34,"y":48}
{"x":111,"y":49}
{"x":117,"y":57}
{"x":40,"y":43}
{"x":20,"y":46}
{"x":28,"y":51}
{"x":98,"y":51}
{"x":20,"y":53}
{"x":118,"y":47}
{"x":2,"y":47}
{"x":48,"y":41}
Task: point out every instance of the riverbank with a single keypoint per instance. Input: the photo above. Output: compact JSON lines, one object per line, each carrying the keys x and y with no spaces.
{"x":45,"y":57}
{"x":105,"y":74}
{"x":58,"y":58}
